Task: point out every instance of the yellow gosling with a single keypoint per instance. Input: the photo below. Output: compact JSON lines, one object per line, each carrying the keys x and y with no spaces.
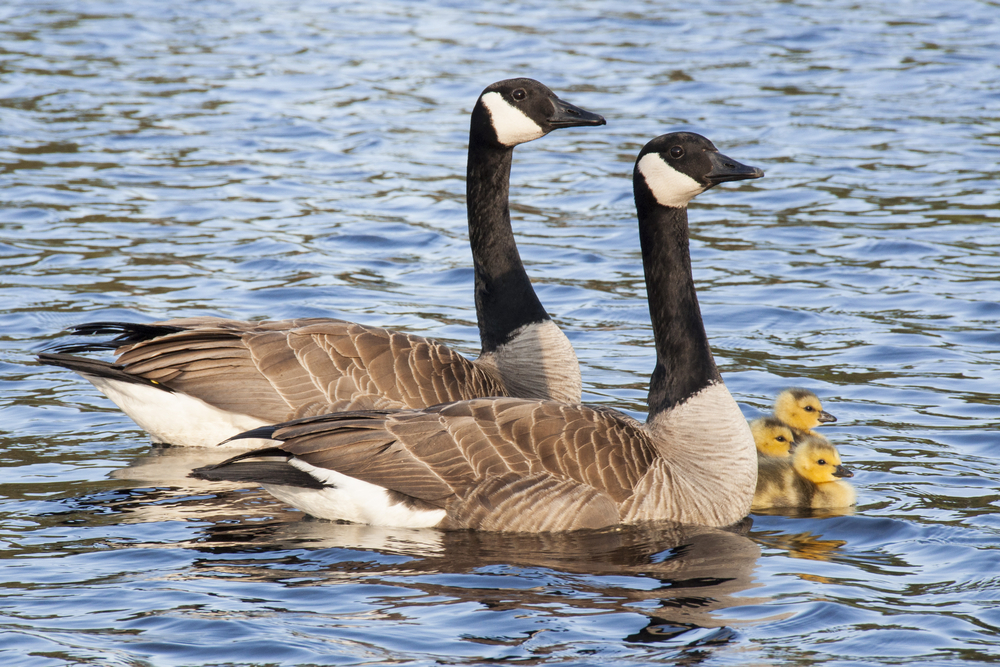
{"x":801,"y":409}
{"x":811,"y":477}
{"x":772,"y":436}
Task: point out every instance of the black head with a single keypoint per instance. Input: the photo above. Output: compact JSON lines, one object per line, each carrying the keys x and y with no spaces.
{"x":678,"y":167}
{"x":516,"y":111}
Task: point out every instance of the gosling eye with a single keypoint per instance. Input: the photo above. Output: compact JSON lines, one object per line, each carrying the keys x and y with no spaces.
{"x":676,"y":152}
{"x":809,"y":408}
{"x":519,"y":94}
{"x":780,"y":438}
{"x":822,"y":462}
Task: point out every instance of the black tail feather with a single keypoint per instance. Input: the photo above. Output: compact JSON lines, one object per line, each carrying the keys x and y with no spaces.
{"x":263,"y":432}
{"x":96,"y":368}
{"x":76,"y":348}
{"x":274,"y":468}
{"x":126,"y":332}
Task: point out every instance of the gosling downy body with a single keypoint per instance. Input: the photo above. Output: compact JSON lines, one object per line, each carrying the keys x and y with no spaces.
{"x":512,"y":464}
{"x":772,"y":437}
{"x":801,"y":409}
{"x":812,"y":477}
{"x":198,"y":381}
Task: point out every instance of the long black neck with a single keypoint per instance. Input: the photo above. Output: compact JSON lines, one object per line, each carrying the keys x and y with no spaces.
{"x":684,"y":362}
{"x":505,"y":300}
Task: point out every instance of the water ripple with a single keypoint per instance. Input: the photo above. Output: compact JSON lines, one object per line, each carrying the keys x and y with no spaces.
{"x":232,"y":159}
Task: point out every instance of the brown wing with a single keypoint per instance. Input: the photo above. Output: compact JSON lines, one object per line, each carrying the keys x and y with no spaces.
{"x":282,"y":370}
{"x":448,"y":454}
{"x":531,"y":504}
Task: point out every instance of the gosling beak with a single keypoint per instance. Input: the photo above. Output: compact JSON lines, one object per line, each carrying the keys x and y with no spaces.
{"x":843,"y":471}
{"x":565,"y":114}
{"x":825,"y":417}
{"x":727,"y":169}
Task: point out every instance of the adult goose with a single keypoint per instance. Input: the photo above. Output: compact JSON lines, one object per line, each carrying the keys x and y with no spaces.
{"x":514,"y":464}
{"x":197,"y":381}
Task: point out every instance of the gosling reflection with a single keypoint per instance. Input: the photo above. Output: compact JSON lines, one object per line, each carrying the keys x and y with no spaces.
{"x":805,"y":545}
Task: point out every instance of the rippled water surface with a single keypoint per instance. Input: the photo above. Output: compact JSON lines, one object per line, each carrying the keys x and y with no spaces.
{"x":253,"y":160}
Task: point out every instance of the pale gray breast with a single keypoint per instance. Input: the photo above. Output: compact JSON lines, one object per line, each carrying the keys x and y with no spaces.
{"x":538,"y":362}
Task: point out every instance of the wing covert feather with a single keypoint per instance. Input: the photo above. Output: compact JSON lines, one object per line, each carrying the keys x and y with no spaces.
{"x":511,"y":502}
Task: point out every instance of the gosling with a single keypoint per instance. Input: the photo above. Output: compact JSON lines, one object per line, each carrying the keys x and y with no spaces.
{"x":773,"y":437}
{"x":801,"y":409}
{"x":811,"y":477}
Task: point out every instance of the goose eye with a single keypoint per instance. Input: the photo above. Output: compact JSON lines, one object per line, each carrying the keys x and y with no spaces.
{"x":519,"y":94}
{"x":809,"y":408}
{"x":822,"y":462}
{"x":676,"y":152}
{"x":780,"y":438}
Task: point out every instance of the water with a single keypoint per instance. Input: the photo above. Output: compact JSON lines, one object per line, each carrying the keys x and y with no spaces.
{"x":257,"y":160}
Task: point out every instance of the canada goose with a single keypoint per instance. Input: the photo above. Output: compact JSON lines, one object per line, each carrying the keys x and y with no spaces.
{"x":528,"y":465}
{"x":802,"y":410}
{"x":772,"y":437}
{"x":197,"y":381}
{"x":812,"y":477}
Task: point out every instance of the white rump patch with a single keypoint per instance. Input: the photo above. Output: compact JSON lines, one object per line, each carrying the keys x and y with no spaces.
{"x":512,"y":126}
{"x":351,"y":499}
{"x":178,"y":419}
{"x":669,"y":186}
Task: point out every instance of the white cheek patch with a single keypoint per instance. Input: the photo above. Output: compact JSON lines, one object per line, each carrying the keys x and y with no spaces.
{"x":511,"y":125}
{"x":669,"y":186}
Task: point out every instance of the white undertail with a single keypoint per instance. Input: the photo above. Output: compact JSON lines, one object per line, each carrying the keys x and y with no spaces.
{"x":178,"y":419}
{"x":350,"y":499}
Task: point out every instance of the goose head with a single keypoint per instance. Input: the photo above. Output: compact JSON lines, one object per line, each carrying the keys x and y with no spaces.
{"x":679,"y":166}
{"x":772,"y":436}
{"x":819,"y":461}
{"x":669,"y":171}
{"x":801,"y":409}
{"x":515,"y":111}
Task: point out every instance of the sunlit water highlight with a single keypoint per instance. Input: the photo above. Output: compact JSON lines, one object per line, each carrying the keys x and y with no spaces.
{"x":260,"y":160}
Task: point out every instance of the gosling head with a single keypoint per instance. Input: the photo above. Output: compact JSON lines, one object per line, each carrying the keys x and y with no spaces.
{"x":801,"y":409}
{"x":515,"y":111}
{"x":818,"y":461}
{"x":772,"y":437}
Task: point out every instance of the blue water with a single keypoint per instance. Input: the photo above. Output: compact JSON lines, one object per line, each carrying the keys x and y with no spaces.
{"x":253,"y":160}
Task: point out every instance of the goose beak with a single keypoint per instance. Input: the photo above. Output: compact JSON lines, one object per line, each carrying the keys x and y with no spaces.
{"x":825,"y":417}
{"x":843,"y":471}
{"x":727,"y":169}
{"x":565,"y":114}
